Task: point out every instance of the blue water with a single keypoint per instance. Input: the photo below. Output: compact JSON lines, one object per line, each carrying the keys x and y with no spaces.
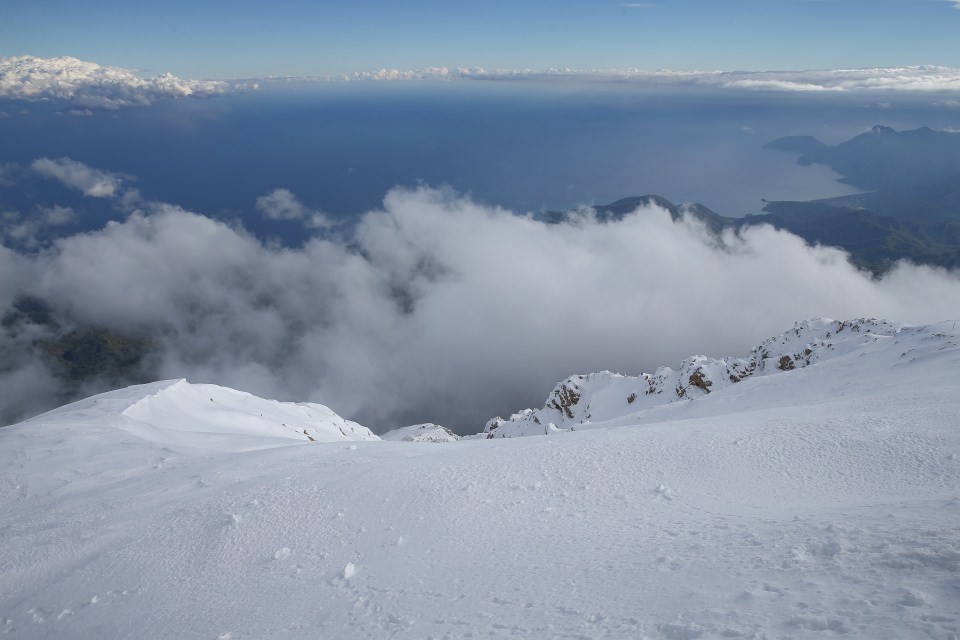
{"x":341,"y":147}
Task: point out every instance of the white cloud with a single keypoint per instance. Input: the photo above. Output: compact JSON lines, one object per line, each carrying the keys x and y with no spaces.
{"x":281,"y":204}
{"x":924,"y":78}
{"x":88,"y":85}
{"x":915,"y":78}
{"x":92,"y":182}
{"x":439,"y":308}
{"x":431,"y":73}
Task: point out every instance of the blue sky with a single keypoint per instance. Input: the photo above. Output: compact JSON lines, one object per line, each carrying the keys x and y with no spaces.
{"x":249,"y":38}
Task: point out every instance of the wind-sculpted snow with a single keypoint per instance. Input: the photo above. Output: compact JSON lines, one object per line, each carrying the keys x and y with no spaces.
{"x":812,"y":502}
{"x":582,"y":401}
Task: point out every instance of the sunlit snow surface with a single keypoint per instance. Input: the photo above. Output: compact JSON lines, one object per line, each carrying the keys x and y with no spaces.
{"x":815,"y":502}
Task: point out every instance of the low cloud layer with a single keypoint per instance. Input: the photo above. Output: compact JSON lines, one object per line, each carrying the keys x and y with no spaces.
{"x":87,"y":85}
{"x":912,"y":78}
{"x":91,"y":86}
{"x":437,"y":308}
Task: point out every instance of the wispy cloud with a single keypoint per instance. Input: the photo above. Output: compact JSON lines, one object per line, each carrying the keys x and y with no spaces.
{"x":77,"y":175}
{"x":281,"y":204}
{"x":26,"y":231}
{"x":92,"y":182}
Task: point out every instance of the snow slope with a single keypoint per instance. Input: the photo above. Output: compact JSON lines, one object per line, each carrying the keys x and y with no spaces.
{"x":816,"y":502}
{"x":200,"y":416}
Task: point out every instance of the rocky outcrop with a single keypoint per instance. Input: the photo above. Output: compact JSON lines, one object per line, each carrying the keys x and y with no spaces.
{"x":603,"y":396}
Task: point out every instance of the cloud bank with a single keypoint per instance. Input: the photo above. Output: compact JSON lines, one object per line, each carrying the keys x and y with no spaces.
{"x":912,"y":78}
{"x":87,"y":85}
{"x":436,"y":308}
{"x":91,"y":86}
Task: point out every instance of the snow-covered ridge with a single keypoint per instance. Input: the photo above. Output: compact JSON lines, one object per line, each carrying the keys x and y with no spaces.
{"x":205,"y":416}
{"x":594,"y":398}
{"x":426,"y":432}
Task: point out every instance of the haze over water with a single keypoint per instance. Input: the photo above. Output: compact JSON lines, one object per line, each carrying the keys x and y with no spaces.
{"x":341,"y":146}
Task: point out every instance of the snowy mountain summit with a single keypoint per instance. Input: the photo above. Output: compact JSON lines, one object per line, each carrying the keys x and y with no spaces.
{"x":426,"y":432}
{"x":179,"y":414}
{"x":609,"y":399}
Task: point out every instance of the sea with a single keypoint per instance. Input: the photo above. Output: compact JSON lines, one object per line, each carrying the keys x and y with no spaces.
{"x":339,"y":147}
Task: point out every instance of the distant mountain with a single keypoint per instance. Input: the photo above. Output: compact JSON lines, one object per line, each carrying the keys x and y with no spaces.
{"x":874,"y":242}
{"x":626,"y":206}
{"x":883,"y":158}
{"x":934,"y":201}
{"x":806,"y":146}
{"x":912,"y":210}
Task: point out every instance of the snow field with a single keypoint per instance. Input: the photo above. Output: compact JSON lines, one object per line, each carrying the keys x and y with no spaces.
{"x":813,"y":503}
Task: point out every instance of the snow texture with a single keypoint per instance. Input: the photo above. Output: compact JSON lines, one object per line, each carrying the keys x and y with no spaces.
{"x":816,"y":501}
